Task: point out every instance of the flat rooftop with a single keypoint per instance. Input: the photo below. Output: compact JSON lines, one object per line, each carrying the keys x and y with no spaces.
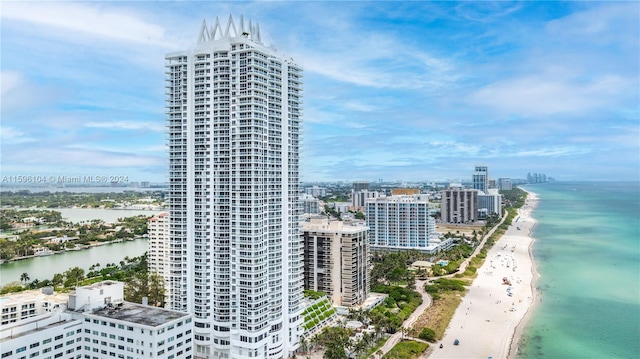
{"x":32,"y":296}
{"x":140,"y":314}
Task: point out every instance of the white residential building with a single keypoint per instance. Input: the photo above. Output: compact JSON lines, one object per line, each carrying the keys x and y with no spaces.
{"x":489,"y":203}
{"x":97,"y":323}
{"x":234,"y":108}
{"x":158,"y":251}
{"x":310,"y":204}
{"x":400,"y":223}
{"x":360,"y":198}
{"x":340,"y":207}
{"x":316,"y":191}
{"x":30,"y":303}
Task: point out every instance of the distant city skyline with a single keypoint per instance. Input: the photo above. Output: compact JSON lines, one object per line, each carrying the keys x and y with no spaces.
{"x":412,"y":91}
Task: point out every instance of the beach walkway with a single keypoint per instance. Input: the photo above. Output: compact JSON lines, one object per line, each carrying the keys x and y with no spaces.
{"x":408,"y":323}
{"x":485,"y":322}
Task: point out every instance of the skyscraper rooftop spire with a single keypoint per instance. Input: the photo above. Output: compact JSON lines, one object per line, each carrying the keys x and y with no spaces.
{"x":215,"y":32}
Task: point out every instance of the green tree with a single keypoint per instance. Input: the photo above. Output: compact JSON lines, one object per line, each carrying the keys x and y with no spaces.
{"x":73,"y":277}
{"x":427,"y":334}
{"x":57,"y":279}
{"x":142,"y":284}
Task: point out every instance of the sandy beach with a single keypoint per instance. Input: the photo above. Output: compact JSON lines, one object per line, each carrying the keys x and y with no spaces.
{"x":488,"y":322}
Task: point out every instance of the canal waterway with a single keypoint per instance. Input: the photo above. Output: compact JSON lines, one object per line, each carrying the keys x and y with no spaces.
{"x":45,"y":267}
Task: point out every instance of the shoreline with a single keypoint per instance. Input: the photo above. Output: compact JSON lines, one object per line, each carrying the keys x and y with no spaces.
{"x":85,"y":247}
{"x":489,"y":321}
{"x":516,"y":336}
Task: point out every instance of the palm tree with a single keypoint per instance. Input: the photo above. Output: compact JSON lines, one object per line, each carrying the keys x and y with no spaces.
{"x":304,"y":345}
{"x":315,"y":341}
{"x":34,"y":284}
{"x":24,"y":277}
{"x":404,"y":332}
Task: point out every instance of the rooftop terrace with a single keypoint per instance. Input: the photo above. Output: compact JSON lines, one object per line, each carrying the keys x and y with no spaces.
{"x":139,"y":314}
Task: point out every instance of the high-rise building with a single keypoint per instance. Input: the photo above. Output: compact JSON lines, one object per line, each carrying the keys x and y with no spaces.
{"x":158,"y":250}
{"x":234,"y":109}
{"x":505,"y":184}
{"x":360,"y":198}
{"x":489,"y":203}
{"x":536,"y":178}
{"x":360,"y":186}
{"x":310,"y":204}
{"x":400,"y":223}
{"x":481,"y":178}
{"x":459,"y":205}
{"x":336,"y":261}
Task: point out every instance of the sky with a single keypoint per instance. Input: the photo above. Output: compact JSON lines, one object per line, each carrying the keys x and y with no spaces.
{"x":393,"y":90}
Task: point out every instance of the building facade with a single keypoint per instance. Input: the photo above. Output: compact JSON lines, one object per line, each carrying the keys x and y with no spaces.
{"x":400,"y":223}
{"x":489,"y":203}
{"x":459,"y":205}
{"x":234,"y":110}
{"x":310,"y":204}
{"x":336,"y":261}
{"x":158,"y":250}
{"x":316,"y":191}
{"x":360,"y":186}
{"x":360,"y":198}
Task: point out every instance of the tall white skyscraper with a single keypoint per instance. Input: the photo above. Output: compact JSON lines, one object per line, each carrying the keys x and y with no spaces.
{"x":234,"y":110}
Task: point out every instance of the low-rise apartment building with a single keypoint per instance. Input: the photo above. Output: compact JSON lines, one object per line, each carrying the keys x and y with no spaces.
{"x":97,"y":323}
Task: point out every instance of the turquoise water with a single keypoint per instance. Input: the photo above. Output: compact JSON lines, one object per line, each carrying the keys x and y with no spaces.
{"x":587,"y":252}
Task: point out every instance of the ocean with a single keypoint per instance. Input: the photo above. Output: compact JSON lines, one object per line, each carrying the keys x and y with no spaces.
{"x":587,"y":251}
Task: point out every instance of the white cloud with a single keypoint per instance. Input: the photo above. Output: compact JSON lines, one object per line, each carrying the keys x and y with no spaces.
{"x":11,"y":80}
{"x":360,"y":106}
{"x":613,"y":21}
{"x":10,"y":135}
{"x":107,"y":22}
{"x":541,"y":95}
{"x":550,"y":152}
{"x":82,"y":157}
{"x":127,"y":125}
